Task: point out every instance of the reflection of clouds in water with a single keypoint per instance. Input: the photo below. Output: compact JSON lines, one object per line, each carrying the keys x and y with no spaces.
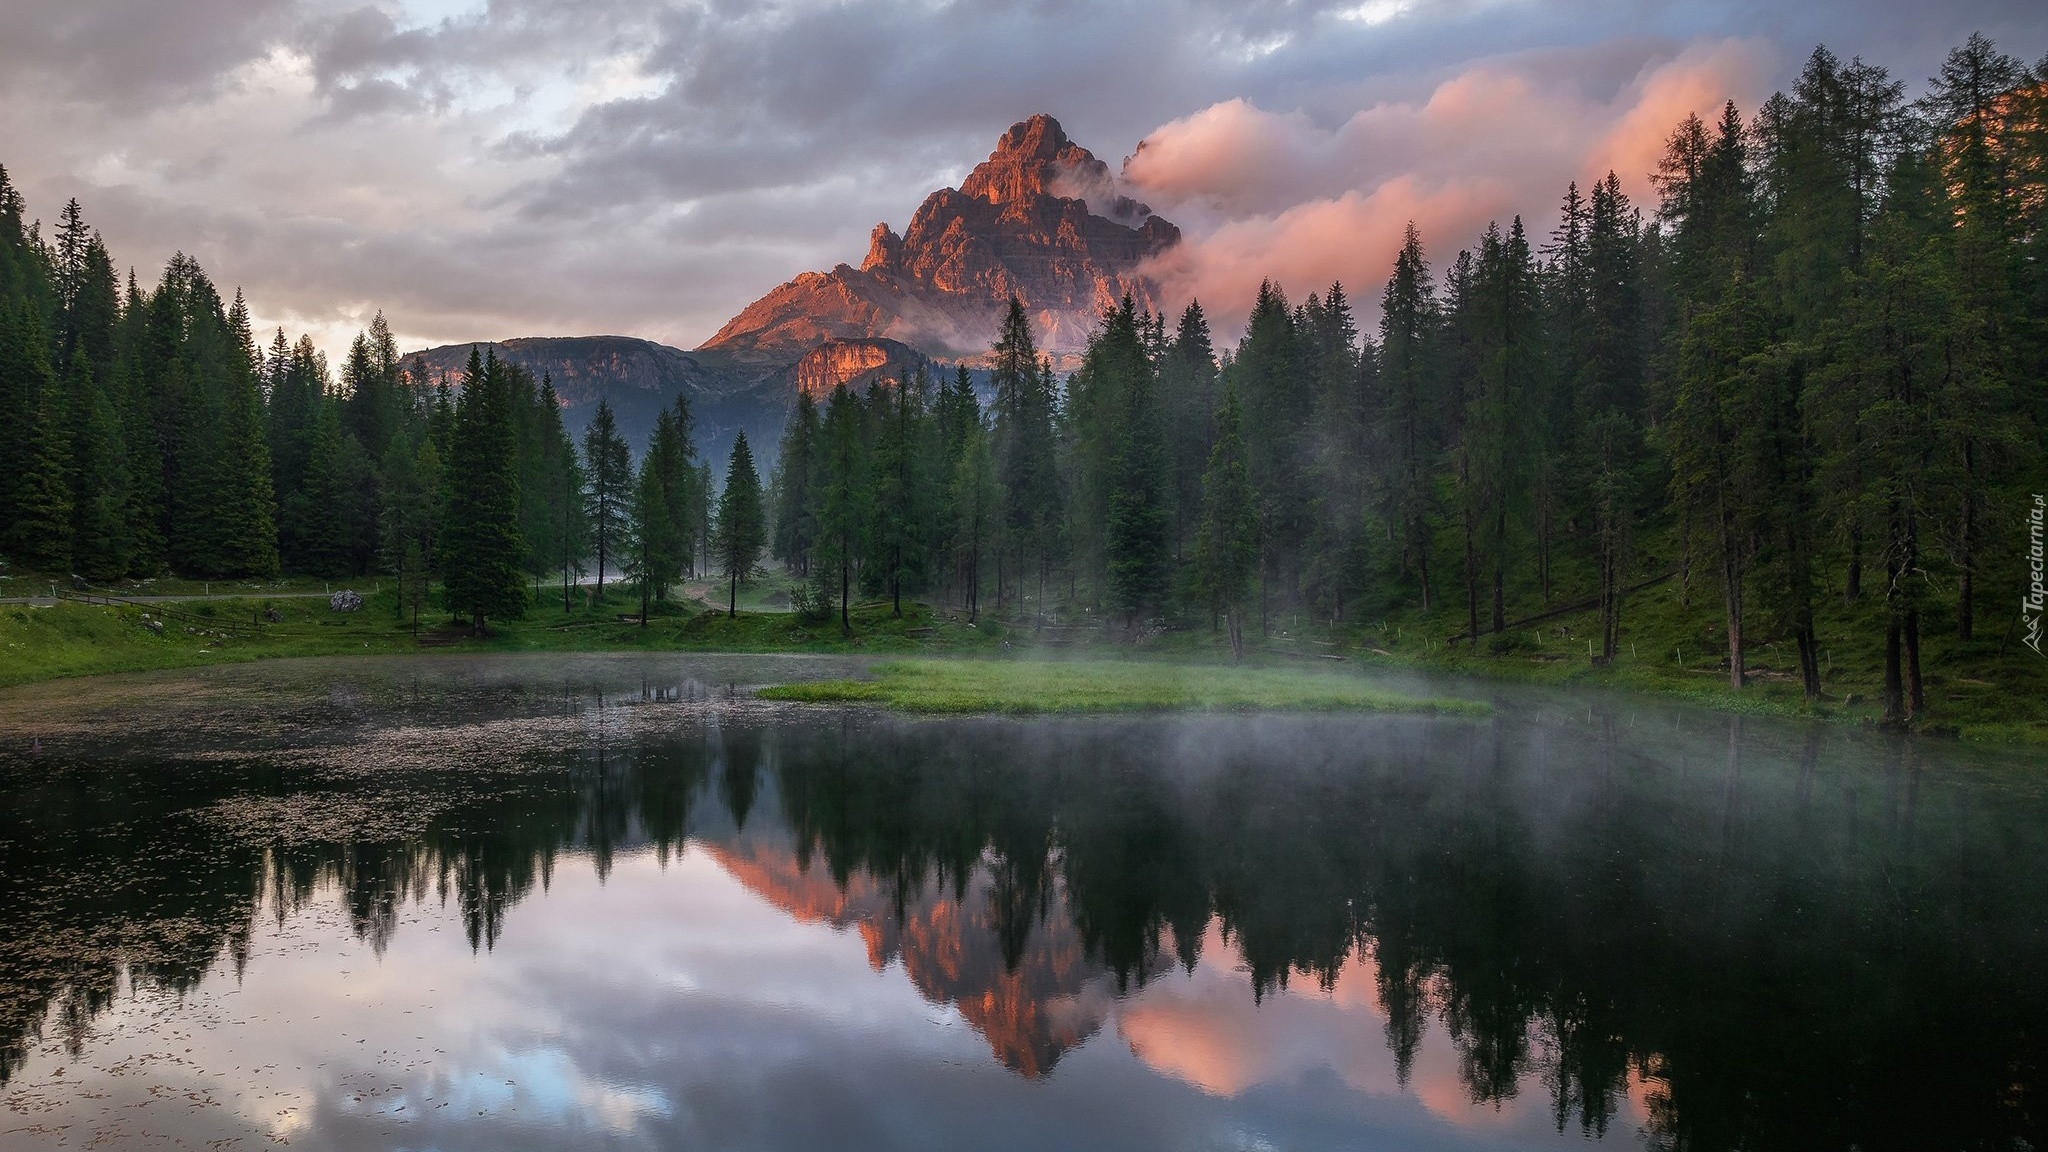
{"x":548,"y":1082}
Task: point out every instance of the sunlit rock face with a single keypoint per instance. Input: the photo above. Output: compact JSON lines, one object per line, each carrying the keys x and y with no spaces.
{"x":1039,"y":219}
{"x":854,"y":363}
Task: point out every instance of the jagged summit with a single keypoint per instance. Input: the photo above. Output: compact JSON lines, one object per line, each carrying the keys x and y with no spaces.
{"x":1039,"y":219}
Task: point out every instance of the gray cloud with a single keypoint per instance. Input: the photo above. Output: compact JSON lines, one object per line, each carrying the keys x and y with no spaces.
{"x":509,"y":167}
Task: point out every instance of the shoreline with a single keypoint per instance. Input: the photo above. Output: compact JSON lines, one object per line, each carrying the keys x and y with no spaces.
{"x":73,"y":641}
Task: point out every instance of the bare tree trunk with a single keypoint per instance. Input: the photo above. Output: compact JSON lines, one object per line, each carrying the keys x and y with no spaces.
{"x":1894,"y":687}
{"x":1471,"y":585}
{"x":1854,"y":590}
{"x":1500,"y":547}
{"x":1966,"y":561}
{"x":1731,"y":585}
{"x":1916,"y":691}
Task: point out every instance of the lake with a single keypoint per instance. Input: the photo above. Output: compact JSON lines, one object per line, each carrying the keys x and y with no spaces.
{"x":614,"y":902}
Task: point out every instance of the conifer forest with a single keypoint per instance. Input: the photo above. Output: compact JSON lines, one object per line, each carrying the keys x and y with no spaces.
{"x":1805,"y":385}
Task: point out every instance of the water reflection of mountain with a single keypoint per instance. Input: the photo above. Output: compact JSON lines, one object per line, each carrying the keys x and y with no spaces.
{"x":1772,"y":942}
{"x":1031,"y":1012}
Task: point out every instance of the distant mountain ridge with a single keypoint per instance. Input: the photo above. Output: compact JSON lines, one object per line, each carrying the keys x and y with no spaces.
{"x":639,"y":378}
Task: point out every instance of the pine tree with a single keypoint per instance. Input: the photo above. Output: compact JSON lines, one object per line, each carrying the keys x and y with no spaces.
{"x":247,"y":544}
{"x":843,"y":494}
{"x":1275,"y":396}
{"x":561,"y":537}
{"x":38,"y":531}
{"x":1187,"y":390}
{"x":902,"y":510}
{"x":481,"y":550}
{"x":1226,"y":547}
{"x":1024,"y":448}
{"x":661,"y":515}
{"x":25,"y":379}
{"x":793,"y":497}
{"x":412,"y":481}
{"x":1344,"y":381}
{"x":96,"y":478}
{"x":742,"y":527}
{"x":316,"y":511}
{"x":608,"y":468}
{"x":1138,"y":544}
{"x":976,"y":500}
{"x":1408,"y":319}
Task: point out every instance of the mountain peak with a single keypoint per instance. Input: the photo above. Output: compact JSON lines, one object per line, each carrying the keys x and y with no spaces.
{"x":1041,"y":219}
{"x":1028,"y":159}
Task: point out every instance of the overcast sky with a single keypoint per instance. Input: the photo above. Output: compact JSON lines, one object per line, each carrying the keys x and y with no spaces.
{"x":483,"y":170}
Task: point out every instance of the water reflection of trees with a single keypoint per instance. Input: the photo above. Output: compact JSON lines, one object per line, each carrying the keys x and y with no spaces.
{"x":1800,"y":944}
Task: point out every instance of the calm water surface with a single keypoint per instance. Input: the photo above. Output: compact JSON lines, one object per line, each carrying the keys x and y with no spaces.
{"x":615,"y":903}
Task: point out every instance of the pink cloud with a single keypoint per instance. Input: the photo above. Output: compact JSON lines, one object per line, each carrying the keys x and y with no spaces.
{"x":1265,"y":194}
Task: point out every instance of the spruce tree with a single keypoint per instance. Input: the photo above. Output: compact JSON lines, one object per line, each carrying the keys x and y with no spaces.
{"x":1226,"y":546}
{"x":793,"y":495}
{"x":608,"y":466}
{"x":901,"y":507}
{"x":661,"y":520}
{"x":96,"y":478}
{"x":976,"y":501}
{"x":481,"y":550}
{"x":742,"y":529}
{"x":1024,"y":449}
{"x":1188,"y":396}
{"x":1138,"y":545}
{"x":39,"y":531}
{"x":843,"y":499}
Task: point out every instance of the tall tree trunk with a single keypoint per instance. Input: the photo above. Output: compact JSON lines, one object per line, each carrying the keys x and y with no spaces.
{"x":1809,"y":660}
{"x":732,"y":597}
{"x":1854,"y":589}
{"x":1894,"y":684}
{"x":1966,"y":560}
{"x":1471,"y":585}
{"x":845,"y":594}
{"x":1500,"y":548}
{"x":1422,"y":569}
{"x":1731,"y":595}
{"x":1916,"y":691}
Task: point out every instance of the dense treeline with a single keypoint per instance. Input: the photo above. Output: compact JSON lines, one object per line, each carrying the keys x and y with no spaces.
{"x":1813,"y":368}
{"x":146,"y":433}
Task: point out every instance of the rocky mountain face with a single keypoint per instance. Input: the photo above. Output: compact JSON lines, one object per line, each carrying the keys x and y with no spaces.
{"x":1039,"y":219}
{"x":854,"y":363}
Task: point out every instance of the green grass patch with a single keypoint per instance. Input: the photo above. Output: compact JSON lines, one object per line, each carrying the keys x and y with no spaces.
{"x":1020,"y":687}
{"x":74,"y":639}
{"x":69,"y":639}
